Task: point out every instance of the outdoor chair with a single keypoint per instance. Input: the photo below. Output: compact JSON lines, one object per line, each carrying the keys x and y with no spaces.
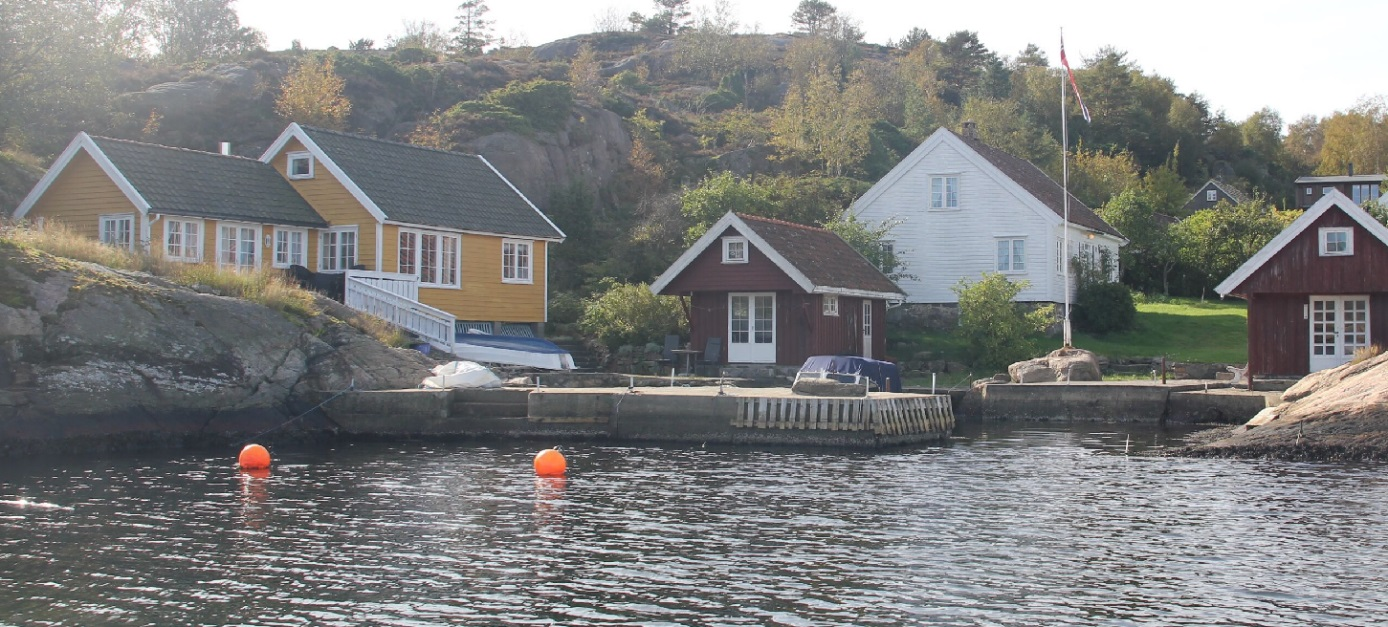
{"x":712,"y":351}
{"x":667,"y":354}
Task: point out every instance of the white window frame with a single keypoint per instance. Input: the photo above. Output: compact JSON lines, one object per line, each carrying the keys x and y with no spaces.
{"x":1012,"y":242}
{"x":732,"y":243}
{"x":183,"y":224}
{"x":1324,"y":238}
{"x":1211,"y":195}
{"x":329,"y":239}
{"x":109,"y":232}
{"x":255,"y":250}
{"x":831,"y":304}
{"x":1326,"y":190}
{"x":941,"y":198}
{"x":445,"y":260}
{"x":1361,"y":193}
{"x":299,"y":156}
{"x":1310,"y":190}
{"x":512,"y":270}
{"x":290,"y":260}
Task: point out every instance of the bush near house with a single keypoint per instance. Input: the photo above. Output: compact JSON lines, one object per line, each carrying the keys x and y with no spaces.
{"x":629,"y":314}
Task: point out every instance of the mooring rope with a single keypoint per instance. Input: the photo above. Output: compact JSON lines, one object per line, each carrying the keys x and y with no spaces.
{"x":350,"y":386}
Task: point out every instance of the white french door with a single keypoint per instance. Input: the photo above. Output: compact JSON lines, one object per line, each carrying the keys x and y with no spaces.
{"x":1339,"y":326}
{"x":752,"y":328}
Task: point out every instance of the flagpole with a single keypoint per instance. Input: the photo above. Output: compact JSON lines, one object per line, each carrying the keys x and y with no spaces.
{"x":1065,"y":186}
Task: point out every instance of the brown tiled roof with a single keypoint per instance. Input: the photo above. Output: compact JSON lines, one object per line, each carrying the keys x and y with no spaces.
{"x":821,"y":255}
{"x":1043,"y":187}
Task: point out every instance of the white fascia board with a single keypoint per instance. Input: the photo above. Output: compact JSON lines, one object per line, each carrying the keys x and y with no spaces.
{"x":82,"y":142}
{"x":908,"y":164}
{"x":1314,"y":212}
{"x":893,"y":296}
{"x":552,"y":225}
{"x":689,"y":254}
{"x":294,"y":131}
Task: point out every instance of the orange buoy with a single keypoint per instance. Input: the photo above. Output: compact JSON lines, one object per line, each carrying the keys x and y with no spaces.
{"x":254,"y":457}
{"x":550,"y":463}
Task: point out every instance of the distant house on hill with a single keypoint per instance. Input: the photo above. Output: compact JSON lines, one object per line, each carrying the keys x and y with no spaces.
{"x":963,"y":208}
{"x":1360,"y":188}
{"x":1211,"y":193}
{"x":1317,"y":292}
{"x":776,"y":293}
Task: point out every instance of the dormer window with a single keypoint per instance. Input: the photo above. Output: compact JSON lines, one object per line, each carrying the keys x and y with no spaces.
{"x":734,"y":250}
{"x":300,"y":165}
{"x":1337,"y":241}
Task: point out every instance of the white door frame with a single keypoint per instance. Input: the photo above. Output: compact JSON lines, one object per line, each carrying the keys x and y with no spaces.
{"x":867,"y":328}
{"x":1339,"y":324}
{"x":750,"y":350}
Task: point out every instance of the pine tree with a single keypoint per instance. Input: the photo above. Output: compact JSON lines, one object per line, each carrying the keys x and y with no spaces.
{"x":472,"y":34}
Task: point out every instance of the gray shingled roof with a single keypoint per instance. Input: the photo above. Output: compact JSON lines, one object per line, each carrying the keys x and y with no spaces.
{"x":183,"y":182}
{"x":417,"y":185}
{"x":1043,"y":187}
{"x":822,"y":256}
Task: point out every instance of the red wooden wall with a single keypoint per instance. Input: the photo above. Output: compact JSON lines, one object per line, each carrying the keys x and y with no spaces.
{"x":1278,"y":292}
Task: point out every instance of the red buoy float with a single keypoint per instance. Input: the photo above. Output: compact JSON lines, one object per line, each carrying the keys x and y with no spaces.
{"x":254,"y":457}
{"x":550,"y":463}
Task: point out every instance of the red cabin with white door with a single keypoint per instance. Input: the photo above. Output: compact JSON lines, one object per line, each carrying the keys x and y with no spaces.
{"x":773,"y":292}
{"x":1317,"y":292}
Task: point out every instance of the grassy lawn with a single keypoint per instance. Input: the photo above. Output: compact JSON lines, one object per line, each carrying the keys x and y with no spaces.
{"x":1183,"y":329}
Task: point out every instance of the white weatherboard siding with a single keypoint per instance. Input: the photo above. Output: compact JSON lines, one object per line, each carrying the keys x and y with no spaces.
{"x":940,"y":246}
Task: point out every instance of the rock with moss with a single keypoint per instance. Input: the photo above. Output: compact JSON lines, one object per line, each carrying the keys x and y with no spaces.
{"x":90,"y":356}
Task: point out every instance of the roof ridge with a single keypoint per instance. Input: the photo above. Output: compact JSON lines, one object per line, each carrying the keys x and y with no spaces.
{"x":320,"y":129}
{"x":781,"y":222}
{"x":179,"y":148}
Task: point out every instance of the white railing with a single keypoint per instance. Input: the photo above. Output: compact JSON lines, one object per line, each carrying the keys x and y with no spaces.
{"x":404,"y":285}
{"x":431,"y":324}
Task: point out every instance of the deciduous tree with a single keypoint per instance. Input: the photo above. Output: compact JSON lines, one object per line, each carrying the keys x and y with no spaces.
{"x":313,"y":94}
{"x":998,"y":330}
{"x":188,"y":30}
{"x":812,"y":17}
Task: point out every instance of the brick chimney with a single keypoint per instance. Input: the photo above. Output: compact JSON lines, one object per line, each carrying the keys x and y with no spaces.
{"x":970,"y":129}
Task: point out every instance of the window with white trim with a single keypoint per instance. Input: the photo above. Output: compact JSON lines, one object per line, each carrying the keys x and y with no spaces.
{"x":300,"y":165}
{"x":1012,"y":255}
{"x":516,"y":259}
{"x":944,"y":192}
{"x":1309,"y":191}
{"x":1211,"y":195}
{"x":831,"y":304}
{"x":1337,"y":241}
{"x":431,"y":256}
{"x":291,"y":248}
{"x":118,"y":230}
{"x":1326,"y":190}
{"x":734,"y":250}
{"x":238,"y":245}
{"x":337,"y":249}
{"x":888,"y":263}
{"x":183,"y":240}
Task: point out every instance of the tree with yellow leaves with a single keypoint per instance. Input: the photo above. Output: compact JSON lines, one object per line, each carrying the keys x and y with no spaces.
{"x":312,"y":94}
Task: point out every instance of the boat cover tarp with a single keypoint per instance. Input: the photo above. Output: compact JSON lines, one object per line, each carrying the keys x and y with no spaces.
{"x":513,"y":351}
{"x":461,"y":374}
{"x":884,"y":373}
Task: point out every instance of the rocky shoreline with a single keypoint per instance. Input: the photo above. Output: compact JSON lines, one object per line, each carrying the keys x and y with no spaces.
{"x":1337,"y":415}
{"x":96,"y":359}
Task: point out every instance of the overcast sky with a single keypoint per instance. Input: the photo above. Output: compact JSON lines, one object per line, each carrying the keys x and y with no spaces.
{"x":1297,"y":57}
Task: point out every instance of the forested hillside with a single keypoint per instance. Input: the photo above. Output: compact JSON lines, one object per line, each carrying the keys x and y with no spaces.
{"x":635,"y":138}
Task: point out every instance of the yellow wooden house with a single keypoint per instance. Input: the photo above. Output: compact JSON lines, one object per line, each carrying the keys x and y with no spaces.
{"x":183,"y":205}
{"x":435,"y":241}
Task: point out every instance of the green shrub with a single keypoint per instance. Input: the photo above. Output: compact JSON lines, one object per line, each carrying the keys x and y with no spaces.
{"x":545,"y":104}
{"x":565,"y":308}
{"x":476,"y":118}
{"x":1102,"y":308}
{"x":408,"y":56}
{"x":996,"y":329}
{"x":721,"y":100}
{"x":627,"y":313}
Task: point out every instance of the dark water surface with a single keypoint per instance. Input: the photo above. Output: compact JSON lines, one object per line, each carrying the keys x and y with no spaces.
{"x":1007,"y":525}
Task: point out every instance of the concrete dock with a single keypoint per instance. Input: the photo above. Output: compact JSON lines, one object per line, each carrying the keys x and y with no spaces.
{"x":1176,"y":401}
{"x":707,"y":414}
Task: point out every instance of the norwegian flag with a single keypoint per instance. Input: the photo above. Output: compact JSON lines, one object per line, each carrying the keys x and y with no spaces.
{"x":1068,"y":72}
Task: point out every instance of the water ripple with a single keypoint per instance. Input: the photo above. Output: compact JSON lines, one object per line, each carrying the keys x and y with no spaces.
{"x":1005,"y":526}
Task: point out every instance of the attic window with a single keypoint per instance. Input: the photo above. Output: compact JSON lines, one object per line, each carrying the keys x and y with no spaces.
{"x":831,"y":304}
{"x":1211,"y":195}
{"x":300,"y":165}
{"x":734,"y":250}
{"x":1337,"y":241}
